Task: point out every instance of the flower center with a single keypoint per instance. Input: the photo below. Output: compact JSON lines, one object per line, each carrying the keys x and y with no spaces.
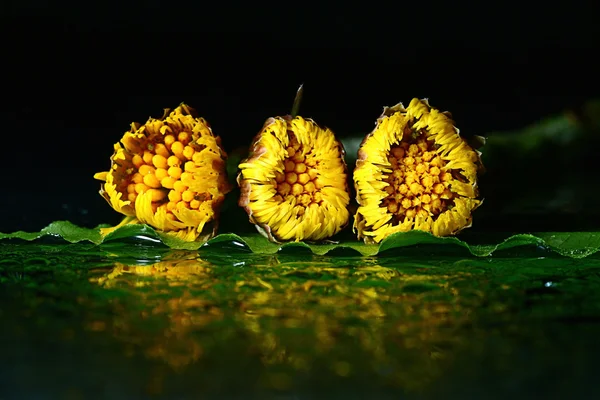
{"x":418,"y":184}
{"x":163,"y":165}
{"x":300,"y":178}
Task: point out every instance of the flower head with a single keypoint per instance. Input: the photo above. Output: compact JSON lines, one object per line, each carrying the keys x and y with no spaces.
{"x":169,"y":173}
{"x":293,"y":184}
{"x":414,"y":171}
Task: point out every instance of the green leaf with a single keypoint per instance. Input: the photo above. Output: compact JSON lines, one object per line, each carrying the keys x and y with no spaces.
{"x":69,"y":232}
{"x":571,"y":244}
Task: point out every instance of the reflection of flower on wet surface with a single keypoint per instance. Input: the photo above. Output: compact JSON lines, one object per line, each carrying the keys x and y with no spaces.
{"x":154,"y":284}
{"x":293,"y":316}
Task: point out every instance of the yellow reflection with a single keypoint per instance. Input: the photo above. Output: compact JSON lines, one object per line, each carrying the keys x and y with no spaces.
{"x":176,"y":272}
{"x":293,"y":316}
{"x":184,"y":312}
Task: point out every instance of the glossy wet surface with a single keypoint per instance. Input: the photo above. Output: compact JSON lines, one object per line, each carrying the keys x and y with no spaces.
{"x":130,"y":321}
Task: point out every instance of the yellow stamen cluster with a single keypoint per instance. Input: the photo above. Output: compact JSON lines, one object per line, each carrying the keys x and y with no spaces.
{"x":300,"y":178}
{"x":162,"y":170}
{"x":169,"y":173}
{"x":414,"y":171}
{"x":418,"y":183}
{"x":293,"y":185}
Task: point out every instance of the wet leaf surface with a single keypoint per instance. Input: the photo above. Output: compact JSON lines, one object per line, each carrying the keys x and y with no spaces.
{"x":570,"y":244}
{"x":134,"y":320}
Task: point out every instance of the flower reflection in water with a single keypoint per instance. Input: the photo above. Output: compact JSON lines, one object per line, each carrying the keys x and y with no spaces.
{"x":292,"y":320}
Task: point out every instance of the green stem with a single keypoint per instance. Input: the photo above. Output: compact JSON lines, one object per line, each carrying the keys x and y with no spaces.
{"x":297,"y":100}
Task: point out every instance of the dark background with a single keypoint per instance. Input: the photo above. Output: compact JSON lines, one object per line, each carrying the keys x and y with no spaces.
{"x":76,"y":75}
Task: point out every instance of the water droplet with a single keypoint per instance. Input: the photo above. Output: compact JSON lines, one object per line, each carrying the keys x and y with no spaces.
{"x":144,"y":237}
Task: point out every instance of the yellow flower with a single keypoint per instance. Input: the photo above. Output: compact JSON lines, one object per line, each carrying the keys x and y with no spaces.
{"x":293,"y":184}
{"x":414,"y":171}
{"x":169,"y":173}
